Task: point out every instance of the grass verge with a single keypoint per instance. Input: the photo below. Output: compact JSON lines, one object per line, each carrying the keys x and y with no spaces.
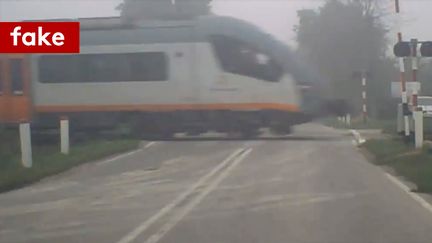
{"x":47,"y":160}
{"x":387,"y":126}
{"x":414,"y":165}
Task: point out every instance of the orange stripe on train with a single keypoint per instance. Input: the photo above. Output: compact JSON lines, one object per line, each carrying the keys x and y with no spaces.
{"x":167,"y":107}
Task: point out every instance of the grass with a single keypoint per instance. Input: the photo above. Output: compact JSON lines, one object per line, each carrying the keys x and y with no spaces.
{"x":414,"y":165}
{"x":47,"y":160}
{"x":387,"y":126}
{"x":383,"y":149}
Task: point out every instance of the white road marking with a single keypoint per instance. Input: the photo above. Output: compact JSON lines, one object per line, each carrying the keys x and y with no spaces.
{"x":192,"y":204}
{"x":149,"y":144}
{"x":169,"y":207}
{"x":121,"y":156}
{"x":413,"y":195}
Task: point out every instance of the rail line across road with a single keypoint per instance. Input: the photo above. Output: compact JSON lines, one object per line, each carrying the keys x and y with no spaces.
{"x":189,"y":190}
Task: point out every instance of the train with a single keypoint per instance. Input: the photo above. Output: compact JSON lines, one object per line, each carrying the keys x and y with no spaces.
{"x":210,"y":73}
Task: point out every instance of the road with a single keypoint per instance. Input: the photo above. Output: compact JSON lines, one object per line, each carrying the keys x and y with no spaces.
{"x":313,"y":187}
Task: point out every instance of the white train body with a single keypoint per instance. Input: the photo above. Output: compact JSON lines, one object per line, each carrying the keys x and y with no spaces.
{"x":213,"y":73}
{"x":194,"y":78}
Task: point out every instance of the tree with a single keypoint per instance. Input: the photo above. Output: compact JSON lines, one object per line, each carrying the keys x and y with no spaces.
{"x":132,"y":10}
{"x":345,"y":36}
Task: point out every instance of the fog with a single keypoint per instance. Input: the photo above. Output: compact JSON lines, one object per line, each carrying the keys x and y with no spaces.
{"x":275,"y":16}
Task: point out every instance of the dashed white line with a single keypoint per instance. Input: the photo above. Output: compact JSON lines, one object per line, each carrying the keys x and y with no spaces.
{"x":121,"y":156}
{"x":192,"y":204}
{"x":149,"y":144}
{"x":169,"y":207}
{"x":407,"y":190}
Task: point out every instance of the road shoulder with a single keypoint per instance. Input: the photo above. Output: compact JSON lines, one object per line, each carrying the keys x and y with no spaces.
{"x":406,"y":185}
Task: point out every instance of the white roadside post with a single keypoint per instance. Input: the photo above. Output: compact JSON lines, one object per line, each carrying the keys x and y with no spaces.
{"x":418,"y":128}
{"x":26,"y":149}
{"x":400,"y":119}
{"x":418,"y":113}
{"x":64,"y":135}
{"x":348,"y":119}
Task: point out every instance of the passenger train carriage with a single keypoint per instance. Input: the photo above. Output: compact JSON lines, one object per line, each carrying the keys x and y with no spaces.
{"x":162,"y":77}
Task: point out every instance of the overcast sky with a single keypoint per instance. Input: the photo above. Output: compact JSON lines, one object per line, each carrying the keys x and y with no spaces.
{"x":275,"y":16}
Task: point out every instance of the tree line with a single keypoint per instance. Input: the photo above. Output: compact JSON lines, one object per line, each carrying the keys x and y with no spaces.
{"x":345,"y":37}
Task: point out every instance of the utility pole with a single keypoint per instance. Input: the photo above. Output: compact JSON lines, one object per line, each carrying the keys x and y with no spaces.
{"x":402,"y":73}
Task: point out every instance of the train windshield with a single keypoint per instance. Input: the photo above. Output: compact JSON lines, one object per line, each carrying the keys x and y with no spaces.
{"x":242,"y":58}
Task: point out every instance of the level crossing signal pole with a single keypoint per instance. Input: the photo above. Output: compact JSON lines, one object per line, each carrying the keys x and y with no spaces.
{"x":404,"y":50}
{"x":402,"y":73}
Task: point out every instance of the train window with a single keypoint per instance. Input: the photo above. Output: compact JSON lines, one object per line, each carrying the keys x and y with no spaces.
{"x":112,"y":67}
{"x":241,"y":58}
{"x":16,"y":74}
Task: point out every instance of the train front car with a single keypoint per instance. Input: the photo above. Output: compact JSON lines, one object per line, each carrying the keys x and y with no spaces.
{"x":258,"y":70}
{"x":165,"y":77}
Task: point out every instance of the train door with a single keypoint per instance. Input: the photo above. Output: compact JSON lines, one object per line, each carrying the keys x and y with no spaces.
{"x":182,"y":69}
{"x":14,"y":88}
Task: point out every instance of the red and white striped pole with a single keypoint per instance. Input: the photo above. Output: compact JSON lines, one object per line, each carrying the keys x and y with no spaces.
{"x":414,"y":61}
{"x":364,"y":96}
{"x":402,"y":72}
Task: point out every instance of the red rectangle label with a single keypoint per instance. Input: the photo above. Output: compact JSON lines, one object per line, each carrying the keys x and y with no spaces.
{"x":39,"y":37}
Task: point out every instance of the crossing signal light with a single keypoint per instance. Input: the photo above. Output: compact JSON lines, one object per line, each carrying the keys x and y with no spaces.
{"x":402,"y":49}
{"x":426,"y":49}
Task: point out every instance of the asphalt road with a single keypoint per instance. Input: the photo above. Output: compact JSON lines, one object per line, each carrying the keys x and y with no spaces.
{"x":313,"y":187}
